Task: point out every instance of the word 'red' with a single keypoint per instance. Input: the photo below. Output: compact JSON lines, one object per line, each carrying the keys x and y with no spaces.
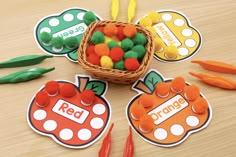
{"x":70,"y":111}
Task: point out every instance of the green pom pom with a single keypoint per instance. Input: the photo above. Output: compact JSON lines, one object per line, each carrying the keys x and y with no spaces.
{"x":46,"y":37}
{"x":89,"y":17}
{"x":131,"y":54}
{"x":97,"y":37}
{"x":71,"y":42}
{"x":127,"y":44}
{"x":57,"y":42}
{"x":119,"y":65}
{"x":112,"y":44}
{"x":140,"y":50}
{"x":139,"y":39}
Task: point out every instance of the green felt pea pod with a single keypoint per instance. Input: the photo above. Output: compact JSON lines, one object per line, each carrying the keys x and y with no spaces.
{"x":24,"y":61}
{"x":24,"y":75}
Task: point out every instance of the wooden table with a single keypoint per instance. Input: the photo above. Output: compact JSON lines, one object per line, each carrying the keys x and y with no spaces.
{"x":214,"y":19}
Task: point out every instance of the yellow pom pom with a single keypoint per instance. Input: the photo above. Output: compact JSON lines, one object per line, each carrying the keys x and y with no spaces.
{"x":159,"y":44}
{"x":154,"y":16}
{"x":152,"y":30}
{"x":171,"y":52}
{"x":106,"y":62}
{"x":145,"y":21}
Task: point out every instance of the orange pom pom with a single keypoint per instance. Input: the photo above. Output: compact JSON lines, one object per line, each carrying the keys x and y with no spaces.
{"x":146,"y":124}
{"x":177,"y":84}
{"x":102,"y":49}
{"x":146,"y":100}
{"x":110,"y":30}
{"x":192,"y":92}
{"x":162,"y":89}
{"x":200,"y":105}
{"x":129,"y":31}
{"x":137,"y":111}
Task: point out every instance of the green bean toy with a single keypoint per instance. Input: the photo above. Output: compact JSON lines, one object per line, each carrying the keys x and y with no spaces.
{"x":24,"y":61}
{"x":24,"y":75}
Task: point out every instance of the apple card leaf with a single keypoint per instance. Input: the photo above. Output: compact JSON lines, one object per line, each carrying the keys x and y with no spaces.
{"x":149,"y":82}
{"x":151,"y":79}
{"x":97,"y":86}
{"x":73,"y":56}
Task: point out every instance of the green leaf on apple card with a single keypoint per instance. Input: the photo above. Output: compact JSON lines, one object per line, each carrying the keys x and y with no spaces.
{"x":151,"y":79}
{"x":97,"y":86}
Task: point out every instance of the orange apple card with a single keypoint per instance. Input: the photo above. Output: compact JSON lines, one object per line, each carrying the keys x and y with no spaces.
{"x":74,"y":115}
{"x":166,"y":111}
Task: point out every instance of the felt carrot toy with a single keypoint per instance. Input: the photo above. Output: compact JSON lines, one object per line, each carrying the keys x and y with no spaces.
{"x":216,"y":66}
{"x":114,"y":9}
{"x":129,"y":146}
{"x":215,"y":80}
{"x":131,"y":10}
{"x":106,"y":144}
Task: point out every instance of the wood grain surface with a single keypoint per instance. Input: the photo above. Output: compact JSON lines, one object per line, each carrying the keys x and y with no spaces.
{"x":216,"y":21}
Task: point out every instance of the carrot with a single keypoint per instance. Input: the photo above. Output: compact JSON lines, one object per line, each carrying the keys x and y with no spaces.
{"x":215,"y":80}
{"x":106,"y":144}
{"x":216,"y":66}
{"x":129,"y":146}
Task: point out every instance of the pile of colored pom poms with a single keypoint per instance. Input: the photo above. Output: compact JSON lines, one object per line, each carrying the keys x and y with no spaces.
{"x":117,"y":47}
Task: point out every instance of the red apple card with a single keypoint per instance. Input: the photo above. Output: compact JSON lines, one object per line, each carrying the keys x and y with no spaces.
{"x":165,"y":112}
{"x":75,"y":115}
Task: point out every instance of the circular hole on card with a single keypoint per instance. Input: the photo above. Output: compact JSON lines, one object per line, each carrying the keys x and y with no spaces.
{"x":177,"y":130}
{"x":179,"y":22}
{"x":190,"y":42}
{"x":192,"y":121}
{"x":166,"y":17}
{"x":50,"y":125}
{"x":54,"y":22}
{"x":96,"y":123}
{"x":84,"y":134}
{"x":68,"y":17}
{"x":99,"y":109}
{"x":66,"y":134}
{"x":187,"y":32}
{"x":40,"y":114}
{"x":183,"y":51}
{"x":45,"y":29}
{"x":160,"y":134}
{"x":80,"y":16}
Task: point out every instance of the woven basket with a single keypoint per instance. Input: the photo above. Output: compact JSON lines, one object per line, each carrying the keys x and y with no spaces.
{"x":114,"y":75}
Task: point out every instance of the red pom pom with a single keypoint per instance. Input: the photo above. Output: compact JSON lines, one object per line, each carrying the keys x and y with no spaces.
{"x":120,"y":33}
{"x":116,"y":54}
{"x":94,"y":59}
{"x":87,"y":97}
{"x":42,"y":99}
{"x":67,"y":90}
{"x":131,"y":64}
{"x":90,"y":50}
{"x":52,"y":87}
{"x":101,"y":29}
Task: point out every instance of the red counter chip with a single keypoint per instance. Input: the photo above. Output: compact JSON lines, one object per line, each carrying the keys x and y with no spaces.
{"x":66,"y":120}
